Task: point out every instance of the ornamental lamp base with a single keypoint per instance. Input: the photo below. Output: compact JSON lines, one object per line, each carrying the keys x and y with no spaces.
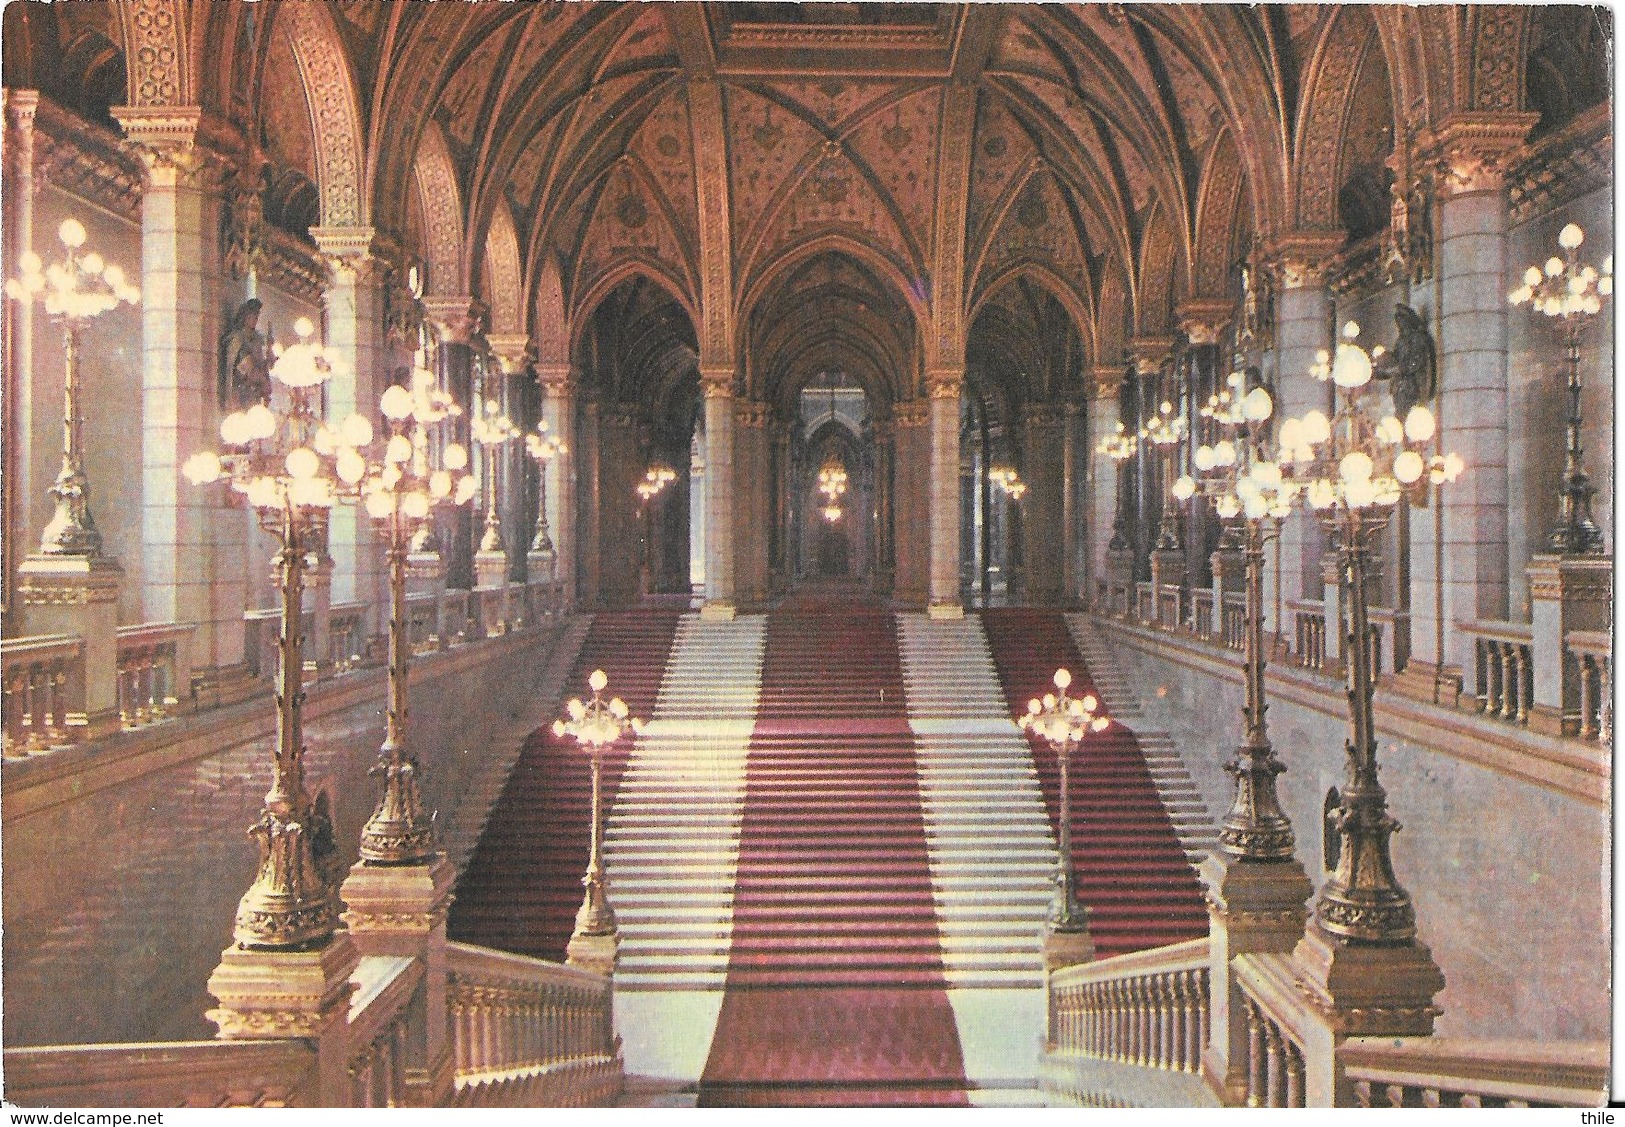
{"x":595,"y":953}
{"x":1067,"y":947}
{"x":1366,"y":990}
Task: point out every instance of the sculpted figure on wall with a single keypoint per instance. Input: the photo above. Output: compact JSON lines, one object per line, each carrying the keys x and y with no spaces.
{"x":245,"y":369}
{"x":1412,"y":366}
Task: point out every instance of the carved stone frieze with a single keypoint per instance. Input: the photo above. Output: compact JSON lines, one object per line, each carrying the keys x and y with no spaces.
{"x":1472,"y":152}
{"x":1105,"y":380}
{"x":1150,"y":353}
{"x":1567,"y":164}
{"x":1203,"y":319}
{"x":1304,"y":258}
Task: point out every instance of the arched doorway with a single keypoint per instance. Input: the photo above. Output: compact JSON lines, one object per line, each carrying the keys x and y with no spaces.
{"x":637,"y":416}
{"x":833,"y":349}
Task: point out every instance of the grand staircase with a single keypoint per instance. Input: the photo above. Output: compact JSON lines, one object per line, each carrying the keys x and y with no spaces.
{"x":1132,"y":869}
{"x":831,"y":852}
{"x":522,"y":886}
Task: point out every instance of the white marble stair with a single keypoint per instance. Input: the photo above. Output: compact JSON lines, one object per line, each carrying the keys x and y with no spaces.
{"x":671,"y":842}
{"x":1193,"y":823}
{"x":992,"y":852}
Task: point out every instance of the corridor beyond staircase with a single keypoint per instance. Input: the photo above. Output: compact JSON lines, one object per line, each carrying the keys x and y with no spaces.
{"x":831,"y":852}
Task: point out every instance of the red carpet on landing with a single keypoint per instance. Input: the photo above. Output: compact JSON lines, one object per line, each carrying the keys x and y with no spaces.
{"x":835,"y":991}
{"x":522,"y":886}
{"x":1132,"y":871}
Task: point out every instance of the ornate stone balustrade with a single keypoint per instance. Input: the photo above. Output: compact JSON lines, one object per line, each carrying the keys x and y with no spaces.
{"x":1504,"y":669}
{"x":349,"y":641}
{"x":279,"y":1073}
{"x":1233,"y":622}
{"x":527,"y":1032}
{"x":1145,"y":603}
{"x":1591,"y":655}
{"x":1279,"y":1025}
{"x":1202,"y":613}
{"x":378,"y":1033}
{"x":154,"y":671}
{"x":1444,"y":1072}
{"x":1170,"y":605}
{"x":1308,"y":633}
{"x":42,"y":677}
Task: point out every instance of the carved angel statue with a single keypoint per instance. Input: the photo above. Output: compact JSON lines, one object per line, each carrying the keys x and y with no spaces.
{"x":1411,"y":366}
{"x":245,"y":364}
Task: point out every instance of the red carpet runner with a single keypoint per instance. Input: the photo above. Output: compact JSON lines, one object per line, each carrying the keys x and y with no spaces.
{"x":1132,"y":871}
{"x":522,"y":887}
{"x":835,"y":990}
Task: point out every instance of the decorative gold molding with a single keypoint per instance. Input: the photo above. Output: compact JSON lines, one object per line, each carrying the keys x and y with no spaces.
{"x":1473,"y":151}
{"x":1203,"y":319}
{"x":1150,"y":353}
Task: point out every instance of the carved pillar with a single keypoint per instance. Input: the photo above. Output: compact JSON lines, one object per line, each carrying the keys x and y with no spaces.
{"x":944,"y":387}
{"x":751,"y":501}
{"x":718,"y":385}
{"x":885,"y":448}
{"x":354,"y":331}
{"x":1045,"y":541}
{"x":588,"y":556}
{"x":1301,"y":331}
{"x":559,"y":477}
{"x":912,"y":511}
{"x":456,"y":323}
{"x":1473,"y":150}
{"x":1151,"y":357}
{"x":16,"y":474}
{"x":1565,"y":593}
{"x":512,"y":353}
{"x":621,"y":523}
{"x":178,"y":233}
{"x":1202,"y":320}
{"x":1075,"y":522}
{"x":1109,"y":555}
{"x":780,"y":563}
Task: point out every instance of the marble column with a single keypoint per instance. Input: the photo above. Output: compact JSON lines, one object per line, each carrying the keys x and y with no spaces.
{"x":588,"y":555}
{"x":456,"y":322}
{"x":621,"y":524}
{"x":751,"y":501}
{"x":1105,"y":478}
{"x":1203,"y":321}
{"x":1075,"y":522}
{"x":1152,"y":358}
{"x":779,"y":577}
{"x":179,"y":221}
{"x":718,"y":386}
{"x":1473,"y":375}
{"x":559,"y":477}
{"x":354,"y":333}
{"x":1046,"y":541}
{"x":944,"y":388}
{"x":512,"y":352}
{"x":911,"y":510}
{"x":16,"y":474}
{"x":885,"y":458}
{"x":1301,"y":330}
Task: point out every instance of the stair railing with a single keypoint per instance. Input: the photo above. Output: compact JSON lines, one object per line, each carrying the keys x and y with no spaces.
{"x":526,"y":1032}
{"x":1446,"y":1072}
{"x":270,"y":1073}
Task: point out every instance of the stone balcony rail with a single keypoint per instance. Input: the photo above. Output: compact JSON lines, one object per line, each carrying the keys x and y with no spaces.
{"x":527,"y":1032}
{"x":378,"y":1035}
{"x":1503,"y":669}
{"x":1589,"y":656}
{"x":1233,"y":621}
{"x":1279,"y":1027}
{"x":42,"y":677}
{"x":1308,"y":633}
{"x":1112,"y":1021}
{"x":1201,"y":622}
{"x":154,"y":671}
{"x":1447,"y":1072}
{"x":271,"y":1073}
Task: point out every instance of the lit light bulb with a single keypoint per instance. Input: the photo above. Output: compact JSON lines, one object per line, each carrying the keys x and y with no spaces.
{"x":380,"y":504}
{"x":1257,"y":406}
{"x":1184,"y":488}
{"x":350,"y":466}
{"x":1408,"y":467}
{"x":455,"y":456}
{"x":1316,"y":428}
{"x":202,"y":468}
{"x":1419,"y":424}
{"x":1570,"y":237}
{"x":302,"y":463}
{"x":415,"y":505}
{"x":1355,"y":466}
{"x":1352,"y":368}
{"x":72,"y":233}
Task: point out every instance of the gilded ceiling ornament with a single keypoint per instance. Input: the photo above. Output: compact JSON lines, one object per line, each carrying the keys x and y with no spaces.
{"x":767,"y":135}
{"x":897,"y":135}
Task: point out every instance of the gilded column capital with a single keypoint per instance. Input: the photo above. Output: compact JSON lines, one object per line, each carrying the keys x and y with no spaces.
{"x":912,"y":413}
{"x":555,"y":378}
{"x":165,"y":140}
{"x":456,"y":319}
{"x":21,"y":106}
{"x":1302,"y":259}
{"x":1472,"y":152}
{"x":717,"y":382}
{"x":349,"y":254}
{"x":1105,"y":380}
{"x":751,"y":413}
{"x":944,"y":383}
{"x":1150,"y":353}
{"x":511,"y":349}
{"x":1202,"y":319}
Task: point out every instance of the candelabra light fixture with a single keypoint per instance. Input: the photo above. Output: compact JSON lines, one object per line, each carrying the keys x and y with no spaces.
{"x":493,"y":430}
{"x":1245,"y":482}
{"x":1166,"y":430}
{"x":1119,"y":446}
{"x":832,"y":481}
{"x":543,"y":447}
{"x":596,"y":725}
{"x":1354,"y":468}
{"x":1570,"y":293}
{"x":1063,"y":722}
{"x":1008,"y":481}
{"x":400,"y":492}
{"x":292,"y":467}
{"x":655,"y":480}
{"x":73,"y":292}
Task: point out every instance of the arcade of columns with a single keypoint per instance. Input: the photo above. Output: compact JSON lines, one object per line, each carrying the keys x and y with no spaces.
{"x":502,"y":333}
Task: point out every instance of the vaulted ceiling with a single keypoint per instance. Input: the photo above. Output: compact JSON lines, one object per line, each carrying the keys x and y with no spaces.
{"x":1119,"y":158}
